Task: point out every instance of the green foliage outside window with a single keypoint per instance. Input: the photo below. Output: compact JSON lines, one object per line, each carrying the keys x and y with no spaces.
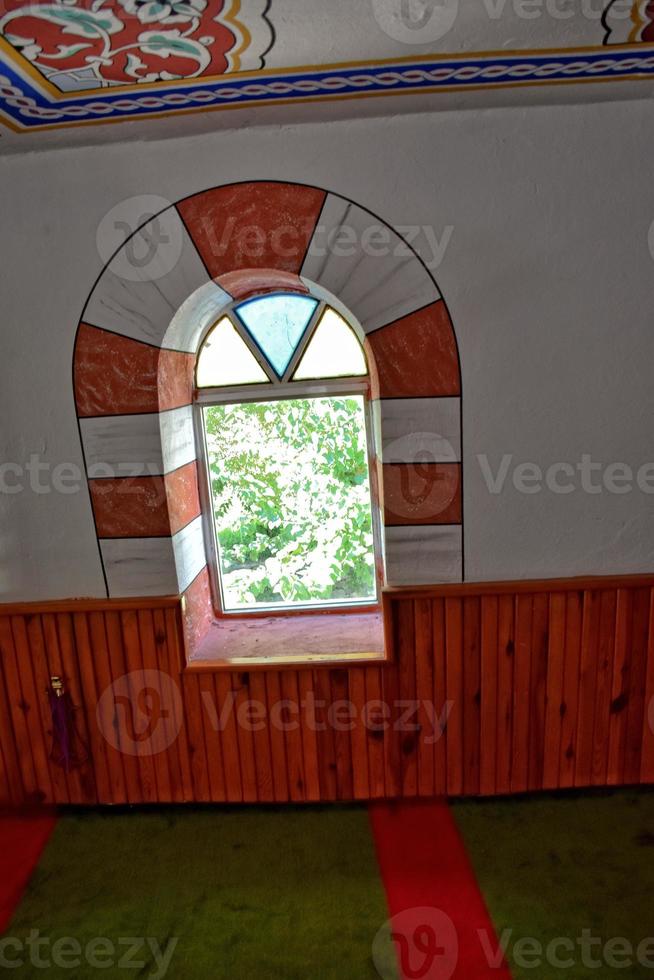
{"x":291,"y":499}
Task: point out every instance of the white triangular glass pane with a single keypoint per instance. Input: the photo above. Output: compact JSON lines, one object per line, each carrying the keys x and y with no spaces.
{"x":277,"y":324}
{"x":226,"y":360}
{"x":333,"y":352}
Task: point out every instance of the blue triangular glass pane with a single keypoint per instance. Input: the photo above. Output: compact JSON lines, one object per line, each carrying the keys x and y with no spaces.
{"x":276,"y":324}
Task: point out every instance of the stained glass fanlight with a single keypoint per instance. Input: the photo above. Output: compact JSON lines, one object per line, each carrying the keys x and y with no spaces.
{"x":226,"y":360}
{"x":266,"y":339}
{"x":333,"y":352}
{"x":277,"y":324}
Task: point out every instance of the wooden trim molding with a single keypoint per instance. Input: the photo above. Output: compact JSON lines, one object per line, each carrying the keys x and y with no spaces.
{"x":87,"y":605}
{"x":522,"y":586}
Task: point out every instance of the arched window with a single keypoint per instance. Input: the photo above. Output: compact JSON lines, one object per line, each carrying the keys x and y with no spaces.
{"x":283,"y":421}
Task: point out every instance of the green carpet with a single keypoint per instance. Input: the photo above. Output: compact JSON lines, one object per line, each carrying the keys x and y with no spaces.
{"x":554,"y":866}
{"x":280,"y":893}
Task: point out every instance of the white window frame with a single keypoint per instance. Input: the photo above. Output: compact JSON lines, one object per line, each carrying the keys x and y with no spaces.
{"x":284,"y":390}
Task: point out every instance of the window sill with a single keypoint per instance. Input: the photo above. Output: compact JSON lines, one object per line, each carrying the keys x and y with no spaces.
{"x":277,"y":642}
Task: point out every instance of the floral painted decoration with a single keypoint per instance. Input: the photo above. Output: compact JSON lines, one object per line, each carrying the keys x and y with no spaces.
{"x":80,"y":45}
{"x":628,"y":24}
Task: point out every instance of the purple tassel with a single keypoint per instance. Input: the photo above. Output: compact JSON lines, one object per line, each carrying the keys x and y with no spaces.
{"x":68,"y":750}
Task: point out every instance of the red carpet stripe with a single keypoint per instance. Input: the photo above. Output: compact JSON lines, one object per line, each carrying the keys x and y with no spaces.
{"x":22,"y":839}
{"x":424,"y":865}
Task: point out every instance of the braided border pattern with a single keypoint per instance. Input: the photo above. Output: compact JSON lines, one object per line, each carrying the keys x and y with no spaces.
{"x":407,"y":78}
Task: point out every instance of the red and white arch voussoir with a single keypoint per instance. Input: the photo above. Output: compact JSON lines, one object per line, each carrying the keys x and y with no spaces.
{"x":135,"y":354}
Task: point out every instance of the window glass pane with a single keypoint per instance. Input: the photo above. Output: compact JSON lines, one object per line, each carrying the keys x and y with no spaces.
{"x":291,"y":499}
{"x":226,"y":360}
{"x":277,"y":323}
{"x":334,"y":351}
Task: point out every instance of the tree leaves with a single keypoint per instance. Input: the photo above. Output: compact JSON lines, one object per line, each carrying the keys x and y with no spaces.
{"x":292,"y":500}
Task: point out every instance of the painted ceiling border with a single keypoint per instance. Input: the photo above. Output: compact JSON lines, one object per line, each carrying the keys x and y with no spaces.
{"x":30,"y":104}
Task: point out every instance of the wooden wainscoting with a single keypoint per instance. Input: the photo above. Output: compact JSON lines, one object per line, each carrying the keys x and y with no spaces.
{"x":543,"y":685}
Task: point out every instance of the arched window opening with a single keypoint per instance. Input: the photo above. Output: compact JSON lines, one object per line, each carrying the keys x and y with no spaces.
{"x":283,"y":419}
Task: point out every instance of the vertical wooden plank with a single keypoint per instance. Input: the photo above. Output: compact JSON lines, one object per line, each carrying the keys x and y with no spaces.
{"x":37,"y":711}
{"x":620,"y":687}
{"x":16,"y":747}
{"x":441,"y":705}
{"x":391,"y":697}
{"x":5,"y":783}
{"x":204,"y":728}
{"x":570,"y":688}
{"x":424,"y":693}
{"x":118,"y":667}
{"x":374,"y":727}
{"x":98,"y":745}
{"x":590,"y":632}
{"x":471,"y":693}
{"x":489,"y":694}
{"x":168,"y":628}
{"x":647,"y":754}
{"x":155,"y":686}
{"x":505,"y":669}
{"x":521,"y":693}
{"x":226,"y":696}
{"x":241,"y":688}
{"x":538,"y":688}
{"x":290,"y":720}
{"x":407,"y":734}
{"x":170,"y":721}
{"x":140,"y":703}
{"x":261,"y":740}
{"x":16,"y":750}
{"x":96,"y":680}
{"x":309,"y":735}
{"x":277,"y":741}
{"x":554,"y":693}
{"x":91,"y":772}
{"x":194,"y":710}
{"x":293,"y":735}
{"x":454,"y":682}
{"x":12,"y":789}
{"x":8,"y":789}
{"x":603,"y":686}
{"x":341,"y":722}
{"x":637,"y":679}
{"x":358,"y":736}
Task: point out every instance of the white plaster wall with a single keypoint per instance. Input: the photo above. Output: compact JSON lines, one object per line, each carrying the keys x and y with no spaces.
{"x":547,"y":275}
{"x":331,"y":33}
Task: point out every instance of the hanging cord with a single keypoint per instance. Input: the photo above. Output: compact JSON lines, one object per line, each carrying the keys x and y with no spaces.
{"x":68,"y":749}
